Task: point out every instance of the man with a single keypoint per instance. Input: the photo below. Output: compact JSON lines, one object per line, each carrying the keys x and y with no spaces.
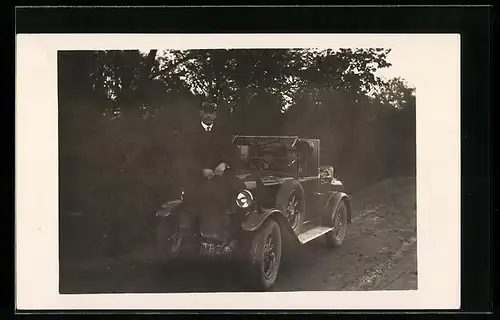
{"x":209,"y":185}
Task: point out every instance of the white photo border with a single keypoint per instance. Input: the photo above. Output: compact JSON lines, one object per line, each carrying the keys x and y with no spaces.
{"x":436,"y":61}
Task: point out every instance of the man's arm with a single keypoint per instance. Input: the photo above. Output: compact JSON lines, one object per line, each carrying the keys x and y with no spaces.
{"x":196,"y":159}
{"x":227,"y":147}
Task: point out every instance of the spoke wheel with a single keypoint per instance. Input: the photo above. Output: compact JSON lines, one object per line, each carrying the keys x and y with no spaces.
{"x":293,"y":210}
{"x":265,"y":256}
{"x":270,"y":256}
{"x":336,"y":237}
{"x":290,"y":199}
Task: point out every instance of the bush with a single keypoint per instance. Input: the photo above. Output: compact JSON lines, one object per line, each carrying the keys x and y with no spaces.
{"x":116,"y":173}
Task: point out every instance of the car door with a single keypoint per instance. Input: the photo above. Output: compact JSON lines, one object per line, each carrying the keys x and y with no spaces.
{"x":309,"y":178}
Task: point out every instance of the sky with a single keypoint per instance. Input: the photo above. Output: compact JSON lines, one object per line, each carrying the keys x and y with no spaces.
{"x":400,"y":58}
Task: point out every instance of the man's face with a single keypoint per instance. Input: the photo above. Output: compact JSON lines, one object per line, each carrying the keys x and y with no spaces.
{"x":208,"y":117}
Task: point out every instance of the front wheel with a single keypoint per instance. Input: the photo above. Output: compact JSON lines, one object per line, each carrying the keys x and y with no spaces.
{"x":265,"y":256}
{"x":336,"y":237}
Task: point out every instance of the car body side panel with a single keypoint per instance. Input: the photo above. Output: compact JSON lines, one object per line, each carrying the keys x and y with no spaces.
{"x":311,"y":188}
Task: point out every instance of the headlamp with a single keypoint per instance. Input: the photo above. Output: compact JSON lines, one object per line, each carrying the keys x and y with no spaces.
{"x":244,"y":199}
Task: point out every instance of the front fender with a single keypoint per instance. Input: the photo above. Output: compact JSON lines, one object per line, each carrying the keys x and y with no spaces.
{"x":255,"y":219}
{"x":334,"y":200}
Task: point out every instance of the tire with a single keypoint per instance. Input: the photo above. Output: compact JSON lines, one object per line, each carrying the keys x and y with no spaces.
{"x":262,"y":277}
{"x":289,"y":190}
{"x":335,"y":238}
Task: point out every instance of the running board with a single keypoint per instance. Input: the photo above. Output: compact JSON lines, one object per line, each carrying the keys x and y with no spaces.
{"x":313,"y":233}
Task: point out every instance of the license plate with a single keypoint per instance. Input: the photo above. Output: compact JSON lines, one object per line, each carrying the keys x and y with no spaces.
{"x":211,"y":249}
{"x":208,"y":249}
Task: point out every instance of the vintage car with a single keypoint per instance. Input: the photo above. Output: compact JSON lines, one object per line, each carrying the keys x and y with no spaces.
{"x":289,"y":199}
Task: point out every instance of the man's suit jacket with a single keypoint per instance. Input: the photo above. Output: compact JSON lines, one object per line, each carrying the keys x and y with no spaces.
{"x":204,"y":150}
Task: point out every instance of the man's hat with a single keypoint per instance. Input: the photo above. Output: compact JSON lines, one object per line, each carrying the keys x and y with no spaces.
{"x":208,"y":106}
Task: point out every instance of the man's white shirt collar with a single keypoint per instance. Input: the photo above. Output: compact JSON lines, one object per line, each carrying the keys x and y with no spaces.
{"x":207,"y":127}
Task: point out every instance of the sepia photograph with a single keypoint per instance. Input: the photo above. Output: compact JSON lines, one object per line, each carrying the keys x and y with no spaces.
{"x":234,"y":165}
{"x":235,"y":170}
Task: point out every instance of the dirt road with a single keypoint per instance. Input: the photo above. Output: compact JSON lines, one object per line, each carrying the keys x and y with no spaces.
{"x":378,"y":253}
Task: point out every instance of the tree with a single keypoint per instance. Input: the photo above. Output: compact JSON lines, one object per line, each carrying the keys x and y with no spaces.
{"x":396,"y":92}
{"x":235,"y":76}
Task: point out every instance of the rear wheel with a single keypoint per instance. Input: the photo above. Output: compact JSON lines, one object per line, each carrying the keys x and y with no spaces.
{"x":291,"y":201}
{"x":265,"y":256}
{"x":336,"y":237}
